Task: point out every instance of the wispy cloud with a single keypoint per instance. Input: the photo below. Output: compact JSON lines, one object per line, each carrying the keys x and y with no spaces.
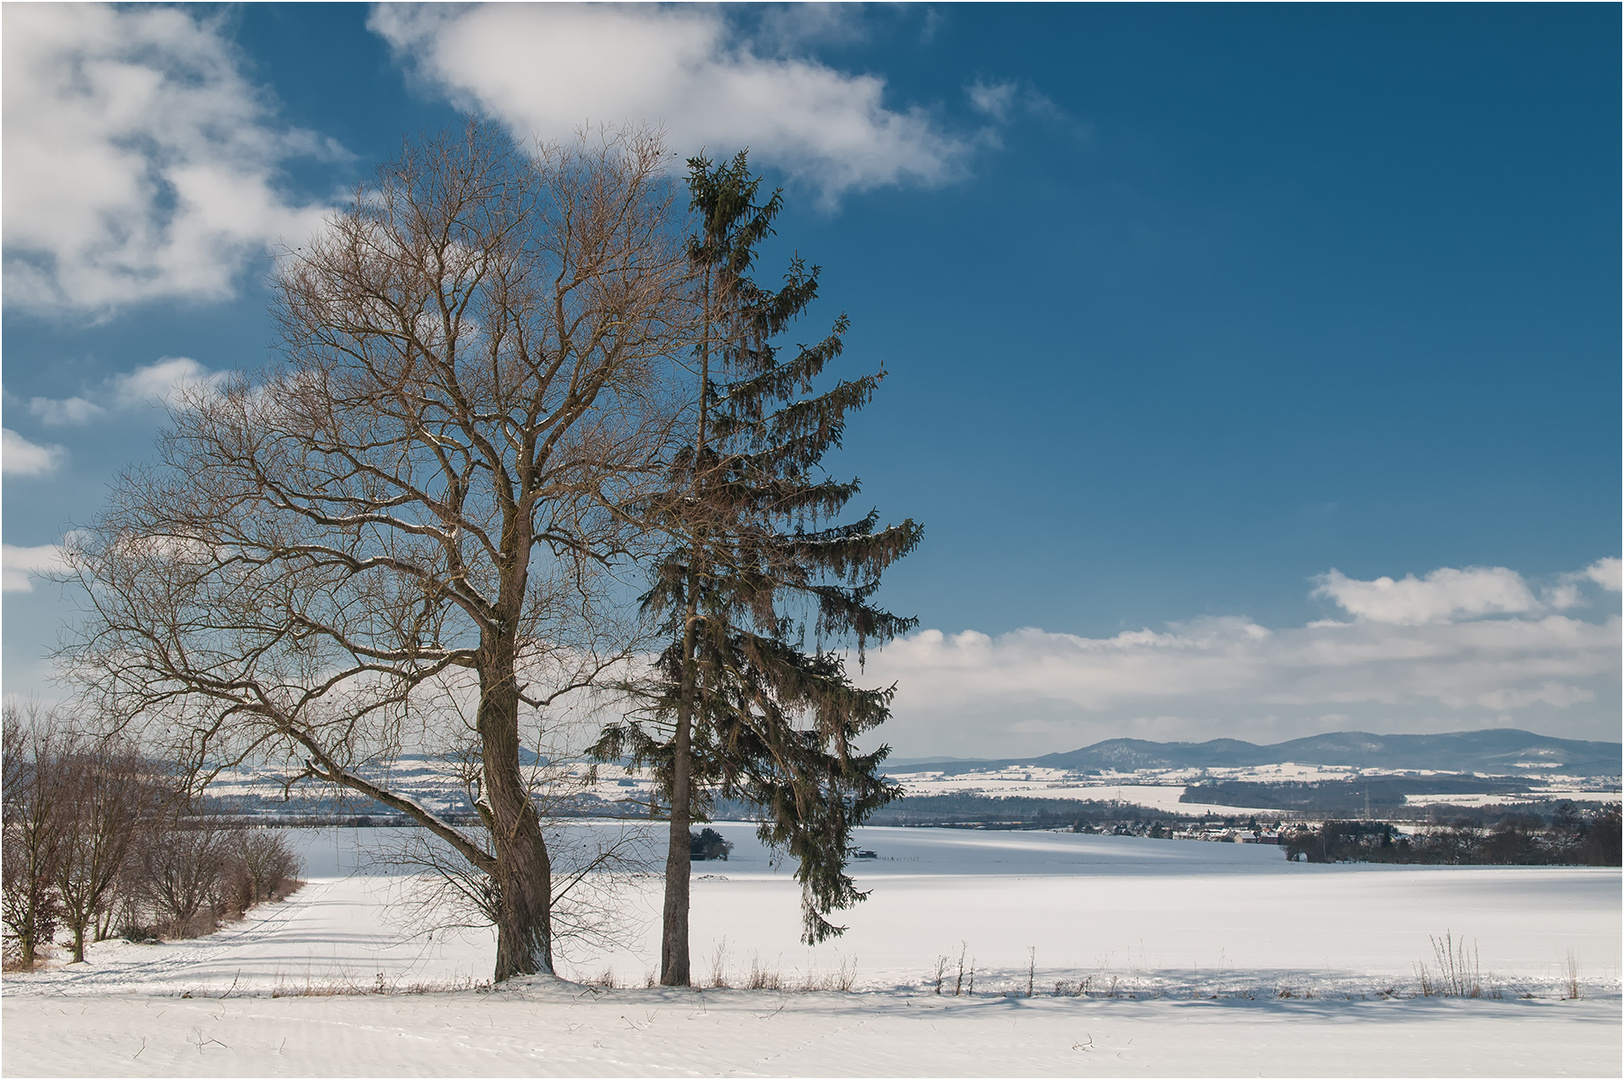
{"x":1456,"y":649}
{"x":992,"y":99}
{"x":64,"y":412}
{"x":18,"y":565}
{"x":19,"y":457}
{"x":164,"y":382}
{"x":140,"y":163}
{"x":547,"y":68}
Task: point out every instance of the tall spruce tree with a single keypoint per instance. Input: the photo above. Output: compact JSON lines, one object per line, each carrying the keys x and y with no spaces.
{"x":739,"y":706}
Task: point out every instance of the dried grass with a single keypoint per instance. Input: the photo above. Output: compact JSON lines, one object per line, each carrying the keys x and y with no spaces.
{"x":348,"y":986}
{"x":1457,"y":972}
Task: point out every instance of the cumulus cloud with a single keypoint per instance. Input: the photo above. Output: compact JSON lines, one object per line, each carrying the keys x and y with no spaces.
{"x":19,"y":457}
{"x":1608,"y":573}
{"x":1235,"y":660}
{"x":1444,"y":594}
{"x":19,"y":564}
{"x":164,"y":382}
{"x":139,"y":162}
{"x":1569,"y":589}
{"x":547,"y":68}
{"x":1409,"y":666}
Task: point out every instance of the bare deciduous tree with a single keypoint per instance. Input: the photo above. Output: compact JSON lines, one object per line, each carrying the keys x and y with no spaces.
{"x":35,"y":798}
{"x":182,"y":870}
{"x":265,"y":860}
{"x":417,"y":500}
{"x":110,"y":794}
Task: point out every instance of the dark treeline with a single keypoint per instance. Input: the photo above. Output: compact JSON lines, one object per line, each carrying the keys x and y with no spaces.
{"x":1347,"y":798}
{"x":98,"y":842}
{"x":1013,"y":810}
{"x":1569,"y":836}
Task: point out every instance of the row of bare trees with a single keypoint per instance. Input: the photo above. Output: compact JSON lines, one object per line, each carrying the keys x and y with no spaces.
{"x":98,"y":841}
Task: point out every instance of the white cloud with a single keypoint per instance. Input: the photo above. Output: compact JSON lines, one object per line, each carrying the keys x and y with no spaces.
{"x":1237,"y":661}
{"x":19,"y":564}
{"x":548,"y":68}
{"x":784,"y":28}
{"x":19,"y":457}
{"x":1569,"y":590}
{"x":139,"y":163}
{"x":1444,"y":594}
{"x":163,"y":381}
{"x":1034,"y":691}
{"x":73,"y":410}
{"x":1559,"y":695}
{"x":1562,"y":595}
{"x":1608,"y":573}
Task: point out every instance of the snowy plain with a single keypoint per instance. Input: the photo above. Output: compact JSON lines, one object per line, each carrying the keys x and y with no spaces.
{"x":1192,"y":959}
{"x":1160,"y":789}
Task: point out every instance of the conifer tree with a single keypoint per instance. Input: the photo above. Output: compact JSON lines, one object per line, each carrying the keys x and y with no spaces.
{"x":739,"y":706}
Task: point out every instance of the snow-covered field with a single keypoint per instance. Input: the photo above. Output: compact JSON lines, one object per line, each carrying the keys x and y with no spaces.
{"x":1195,"y":958}
{"x":432,"y":785}
{"x":1161,"y":789}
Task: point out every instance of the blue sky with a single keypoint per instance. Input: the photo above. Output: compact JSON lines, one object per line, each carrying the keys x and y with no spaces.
{"x":1200,"y":322}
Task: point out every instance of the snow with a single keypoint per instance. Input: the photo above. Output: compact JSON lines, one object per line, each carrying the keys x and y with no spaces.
{"x":1161,"y":789}
{"x":566,"y":1031}
{"x":1157,"y":790}
{"x":1196,"y":941}
{"x":1543,"y":795}
{"x":429,"y":783}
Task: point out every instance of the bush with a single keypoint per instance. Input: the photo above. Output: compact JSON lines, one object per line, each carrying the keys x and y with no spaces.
{"x":264,"y":862}
{"x":708,"y":844}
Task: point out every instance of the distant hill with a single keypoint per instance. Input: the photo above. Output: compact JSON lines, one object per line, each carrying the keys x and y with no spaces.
{"x":1501,"y":751}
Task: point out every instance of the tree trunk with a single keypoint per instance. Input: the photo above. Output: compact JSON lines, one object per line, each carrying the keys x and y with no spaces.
{"x":524,"y":873}
{"x":674,"y":962}
{"x":678,"y":865}
{"x":78,"y":943}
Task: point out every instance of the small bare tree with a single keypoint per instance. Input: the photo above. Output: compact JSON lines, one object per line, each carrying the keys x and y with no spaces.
{"x":36,"y":801}
{"x":265,"y":861}
{"x":418,"y":501}
{"x":182,"y":870}
{"x":111,"y":794}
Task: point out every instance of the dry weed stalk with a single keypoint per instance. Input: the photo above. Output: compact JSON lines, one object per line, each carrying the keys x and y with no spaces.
{"x":1570,"y":976}
{"x":1458,"y":973}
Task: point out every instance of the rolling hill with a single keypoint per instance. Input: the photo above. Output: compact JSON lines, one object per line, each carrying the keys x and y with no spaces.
{"x":1497,"y":751}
